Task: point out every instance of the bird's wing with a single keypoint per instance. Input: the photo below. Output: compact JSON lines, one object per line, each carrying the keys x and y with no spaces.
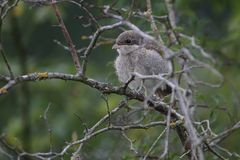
{"x":151,"y":45}
{"x":152,"y":62}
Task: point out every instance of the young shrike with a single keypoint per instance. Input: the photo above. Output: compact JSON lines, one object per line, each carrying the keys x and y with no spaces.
{"x":137,"y":54}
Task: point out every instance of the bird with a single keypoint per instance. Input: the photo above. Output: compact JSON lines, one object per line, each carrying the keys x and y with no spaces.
{"x":140,"y":55}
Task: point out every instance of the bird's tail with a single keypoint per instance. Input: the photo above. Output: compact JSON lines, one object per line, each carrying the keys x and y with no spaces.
{"x":163,"y":92}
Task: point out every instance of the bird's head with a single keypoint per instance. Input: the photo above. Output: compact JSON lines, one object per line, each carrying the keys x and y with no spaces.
{"x":127,"y":42}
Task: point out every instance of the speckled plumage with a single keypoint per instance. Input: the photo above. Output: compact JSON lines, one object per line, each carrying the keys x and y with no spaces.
{"x":139,"y":55}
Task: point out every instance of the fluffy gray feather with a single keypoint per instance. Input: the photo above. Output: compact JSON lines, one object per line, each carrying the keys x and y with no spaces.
{"x":137,"y":54}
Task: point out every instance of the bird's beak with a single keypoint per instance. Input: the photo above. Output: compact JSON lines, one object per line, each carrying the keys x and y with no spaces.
{"x":115,"y":46}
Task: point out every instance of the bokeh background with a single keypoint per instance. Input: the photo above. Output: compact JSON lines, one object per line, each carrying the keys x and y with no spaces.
{"x":28,"y":36}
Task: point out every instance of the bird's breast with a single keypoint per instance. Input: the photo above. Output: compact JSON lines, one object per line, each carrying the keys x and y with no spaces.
{"x":124,"y":67}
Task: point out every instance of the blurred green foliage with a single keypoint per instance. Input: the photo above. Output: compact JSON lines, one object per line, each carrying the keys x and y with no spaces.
{"x":214,"y":23}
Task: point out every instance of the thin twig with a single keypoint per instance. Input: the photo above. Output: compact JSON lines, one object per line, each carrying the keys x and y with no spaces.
{"x":214,"y":152}
{"x":223,"y":135}
{"x":67,"y":38}
{"x":81,"y":5}
{"x":93,"y":42}
{"x":7,"y":150}
{"x":3,"y":15}
{"x":153,"y":24}
{"x":171,"y":13}
{"x":131,"y":9}
{"x":131,"y":143}
{"x":6,"y":62}
{"x":96,"y":125}
{"x":48,"y":126}
{"x":154,"y":143}
{"x":165,"y":152}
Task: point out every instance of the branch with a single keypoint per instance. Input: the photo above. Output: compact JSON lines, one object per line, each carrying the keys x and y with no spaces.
{"x":103,"y":87}
{"x":3,"y":15}
{"x":4,"y":55}
{"x":193,"y":44}
{"x":154,"y":143}
{"x":220,"y":137}
{"x":67,"y":38}
{"x":6,"y":62}
{"x":153,"y":24}
{"x":171,"y":13}
{"x":94,"y":40}
{"x":94,"y":134}
{"x":8,"y":150}
{"x":96,"y":125}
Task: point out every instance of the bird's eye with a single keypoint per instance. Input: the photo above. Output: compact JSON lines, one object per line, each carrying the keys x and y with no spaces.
{"x":128,"y":41}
